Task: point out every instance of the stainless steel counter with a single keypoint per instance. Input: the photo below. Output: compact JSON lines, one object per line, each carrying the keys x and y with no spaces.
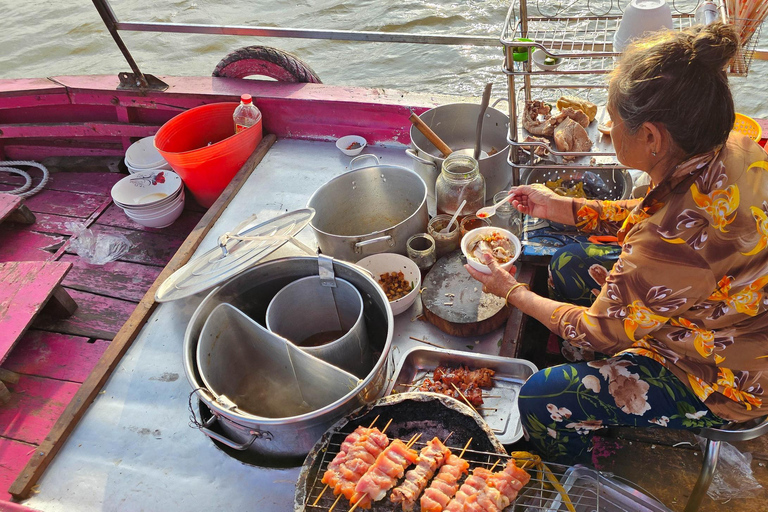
{"x":134,"y":449}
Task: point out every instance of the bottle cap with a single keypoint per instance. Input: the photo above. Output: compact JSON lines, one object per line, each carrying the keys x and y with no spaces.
{"x":245,"y":98}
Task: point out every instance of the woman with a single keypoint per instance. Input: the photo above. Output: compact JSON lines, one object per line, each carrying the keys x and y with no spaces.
{"x":682,"y":313}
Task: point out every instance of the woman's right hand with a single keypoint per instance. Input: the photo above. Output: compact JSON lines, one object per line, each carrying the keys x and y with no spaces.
{"x":537,"y":200}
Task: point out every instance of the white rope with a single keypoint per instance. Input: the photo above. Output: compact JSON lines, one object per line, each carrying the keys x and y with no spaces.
{"x":23,"y":190}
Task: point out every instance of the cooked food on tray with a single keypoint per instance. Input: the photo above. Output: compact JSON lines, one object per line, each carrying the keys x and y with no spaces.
{"x":357,"y":454}
{"x":455,"y":382}
{"x":495,"y":243}
{"x":395,"y":285}
{"x":384,"y":474}
{"x":538,"y":119}
{"x":444,"y":485}
{"x":571,"y":137}
{"x":509,"y":482}
{"x":575,"y":103}
{"x":539,"y":150}
{"x":431,"y":458}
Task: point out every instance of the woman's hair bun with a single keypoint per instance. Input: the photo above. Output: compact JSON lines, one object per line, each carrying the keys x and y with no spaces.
{"x":715,"y":45}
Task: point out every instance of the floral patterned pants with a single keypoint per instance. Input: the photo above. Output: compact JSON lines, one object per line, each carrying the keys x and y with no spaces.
{"x":578,"y":271}
{"x":562,"y":406}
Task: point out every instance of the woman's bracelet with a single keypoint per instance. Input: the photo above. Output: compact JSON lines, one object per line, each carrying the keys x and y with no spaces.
{"x":515,"y":287}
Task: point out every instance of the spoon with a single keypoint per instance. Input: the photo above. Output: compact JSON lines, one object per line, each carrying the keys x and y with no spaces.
{"x":488,"y":211}
{"x":447,"y":229}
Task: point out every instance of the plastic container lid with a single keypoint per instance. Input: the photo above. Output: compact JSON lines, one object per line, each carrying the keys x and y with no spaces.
{"x":143,"y":155}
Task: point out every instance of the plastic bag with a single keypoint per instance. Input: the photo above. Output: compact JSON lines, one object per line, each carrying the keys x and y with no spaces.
{"x":733,"y":475}
{"x":96,"y":249}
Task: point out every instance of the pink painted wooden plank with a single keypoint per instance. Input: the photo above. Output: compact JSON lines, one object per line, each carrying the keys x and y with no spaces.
{"x":96,"y":316}
{"x":149,"y":247}
{"x":25,"y":288}
{"x":39,"y":152}
{"x":55,"y":356}
{"x":49,"y":224}
{"x":118,"y":279}
{"x":24,"y":86}
{"x":87,"y":129}
{"x":114,"y":216}
{"x":99,"y":183}
{"x":8,"y":204}
{"x":36,"y":403}
{"x":19,"y":244}
{"x":58,"y":202}
{"x":14,"y":455}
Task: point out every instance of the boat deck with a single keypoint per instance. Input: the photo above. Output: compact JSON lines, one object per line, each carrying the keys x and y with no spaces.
{"x":55,"y":356}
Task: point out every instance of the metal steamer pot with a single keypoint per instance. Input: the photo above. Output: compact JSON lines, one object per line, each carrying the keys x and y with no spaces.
{"x":291,"y":437}
{"x":369,"y":210}
{"x":456,"y":125}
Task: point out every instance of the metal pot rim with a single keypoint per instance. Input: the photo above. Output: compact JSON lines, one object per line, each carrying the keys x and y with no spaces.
{"x":388,"y":168}
{"x":242,"y":418}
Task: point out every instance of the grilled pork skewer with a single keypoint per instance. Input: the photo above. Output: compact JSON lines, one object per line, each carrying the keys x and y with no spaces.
{"x":445,"y":484}
{"x":383,"y":474}
{"x":509,"y":482}
{"x":358,"y":453}
{"x":474,"y":494}
{"x":431,"y":458}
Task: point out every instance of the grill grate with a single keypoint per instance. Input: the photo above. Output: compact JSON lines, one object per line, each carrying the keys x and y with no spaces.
{"x":538,"y":495}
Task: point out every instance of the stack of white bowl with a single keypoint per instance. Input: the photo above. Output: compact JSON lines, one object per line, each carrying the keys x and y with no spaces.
{"x":154,"y":199}
{"x":143,"y":156}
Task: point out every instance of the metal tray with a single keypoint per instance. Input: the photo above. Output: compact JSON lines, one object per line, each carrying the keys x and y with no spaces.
{"x":418,"y":364}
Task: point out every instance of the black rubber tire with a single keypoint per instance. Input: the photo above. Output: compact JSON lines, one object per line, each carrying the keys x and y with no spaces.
{"x":266,"y":61}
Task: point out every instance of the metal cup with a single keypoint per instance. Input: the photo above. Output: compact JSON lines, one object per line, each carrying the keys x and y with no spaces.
{"x":324,"y":321}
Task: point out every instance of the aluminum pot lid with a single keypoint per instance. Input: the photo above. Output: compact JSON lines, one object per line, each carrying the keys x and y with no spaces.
{"x":238,"y":250}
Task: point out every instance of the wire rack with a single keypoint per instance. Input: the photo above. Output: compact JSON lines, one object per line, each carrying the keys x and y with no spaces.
{"x":538,"y":495}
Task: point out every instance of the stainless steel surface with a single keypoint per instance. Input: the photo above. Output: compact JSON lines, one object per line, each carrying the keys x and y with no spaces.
{"x":307,"y":307}
{"x":251,"y":292}
{"x":261,"y":373}
{"x":418,"y":364}
{"x":454,"y":124}
{"x":608,"y":183}
{"x":234,"y":254}
{"x":369,"y":210}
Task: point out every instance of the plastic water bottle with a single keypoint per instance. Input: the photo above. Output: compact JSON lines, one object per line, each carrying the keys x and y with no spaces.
{"x":706,"y":13}
{"x":246,"y":114}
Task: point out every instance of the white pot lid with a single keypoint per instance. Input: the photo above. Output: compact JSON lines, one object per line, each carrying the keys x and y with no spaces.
{"x":143,"y":154}
{"x":233,"y":256}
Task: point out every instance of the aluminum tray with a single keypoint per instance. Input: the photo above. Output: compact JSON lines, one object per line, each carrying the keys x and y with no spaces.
{"x":418,"y":363}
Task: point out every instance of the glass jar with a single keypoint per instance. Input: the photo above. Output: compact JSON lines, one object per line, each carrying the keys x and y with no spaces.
{"x":460,"y":179}
{"x":444,"y":242}
{"x":422,"y":251}
{"x":471,"y":222}
{"x":507,"y":216}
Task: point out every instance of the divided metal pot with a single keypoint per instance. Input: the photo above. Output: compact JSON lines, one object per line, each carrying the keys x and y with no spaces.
{"x":251,"y":292}
{"x":456,"y":124}
{"x":369,"y":210}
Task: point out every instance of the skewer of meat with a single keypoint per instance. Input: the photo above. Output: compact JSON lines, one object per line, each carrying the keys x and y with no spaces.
{"x":509,"y":481}
{"x":445,"y":484}
{"x":431,"y":458}
{"x":384,"y":473}
{"x":475,"y":495}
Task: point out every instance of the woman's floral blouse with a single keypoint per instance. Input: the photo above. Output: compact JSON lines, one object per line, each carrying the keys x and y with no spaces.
{"x":689,"y":289}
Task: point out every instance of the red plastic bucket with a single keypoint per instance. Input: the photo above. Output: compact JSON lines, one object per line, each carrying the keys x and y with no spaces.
{"x":201,"y":146}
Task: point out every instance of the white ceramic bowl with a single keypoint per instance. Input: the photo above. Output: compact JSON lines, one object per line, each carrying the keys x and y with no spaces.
{"x":160,"y":221}
{"x":641,"y":17}
{"x":146,"y":188}
{"x":143,"y":155}
{"x":378,"y":264}
{"x":485,"y":231}
{"x":344,"y":142}
{"x":153,"y":205}
{"x":538,"y":58}
{"x":151,"y":213}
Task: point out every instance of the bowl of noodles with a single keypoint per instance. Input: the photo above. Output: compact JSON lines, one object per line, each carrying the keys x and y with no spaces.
{"x":499,"y":243}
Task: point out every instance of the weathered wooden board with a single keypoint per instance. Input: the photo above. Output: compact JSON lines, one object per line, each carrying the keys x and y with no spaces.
{"x":25,"y":288}
{"x":96,"y":316}
{"x":85,"y":129}
{"x":14,"y":456}
{"x":152,"y":248}
{"x":9,"y":204}
{"x":55,"y":356}
{"x":99,"y":183}
{"x":123,"y":280}
{"x":36,"y":403}
{"x":50,"y":224}
{"x":59,"y":202}
{"x":114,"y":216}
{"x":22,"y":245}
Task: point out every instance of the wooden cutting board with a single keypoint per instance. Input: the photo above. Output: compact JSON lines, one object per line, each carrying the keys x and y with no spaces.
{"x":455,"y":303}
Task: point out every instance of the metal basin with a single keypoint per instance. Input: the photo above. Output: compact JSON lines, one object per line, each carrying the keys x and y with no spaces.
{"x":250,"y":292}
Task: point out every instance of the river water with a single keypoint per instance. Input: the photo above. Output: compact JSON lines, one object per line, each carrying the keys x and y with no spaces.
{"x":68,"y":37}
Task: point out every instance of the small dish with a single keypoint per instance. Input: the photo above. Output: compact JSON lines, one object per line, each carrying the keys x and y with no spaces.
{"x":605,"y":128}
{"x":473,"y":235}
{"x":545,"y":61}
{"x":520,"y":53}
{"x":351,"y":145}
{"x":378,"y":264}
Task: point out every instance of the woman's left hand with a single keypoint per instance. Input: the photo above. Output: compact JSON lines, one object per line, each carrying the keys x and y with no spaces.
{"x":498,"y":282}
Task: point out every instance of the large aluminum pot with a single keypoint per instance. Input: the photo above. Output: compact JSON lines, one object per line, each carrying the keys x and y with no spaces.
{"x":456,"y":124}
{"x":251,"y":292}
{"x":369,"y":210}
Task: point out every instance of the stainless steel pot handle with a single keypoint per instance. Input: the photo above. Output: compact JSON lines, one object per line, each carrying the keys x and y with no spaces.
{"x":411,"y":153}
{"x":499,"y":101}
{"x":362,"y":157}
{"x":359,"y":245}
{"x":255,"y":434}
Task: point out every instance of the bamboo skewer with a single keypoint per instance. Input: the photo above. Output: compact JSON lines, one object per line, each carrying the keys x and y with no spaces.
{"x":335,"y":502}
{"x":448,"y":436}
{"x":495,"y":464}
{"x":425,"y":341}
{"x":386,"y":426}
{"x":465,"y":398}
{"x":465,"y":448}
